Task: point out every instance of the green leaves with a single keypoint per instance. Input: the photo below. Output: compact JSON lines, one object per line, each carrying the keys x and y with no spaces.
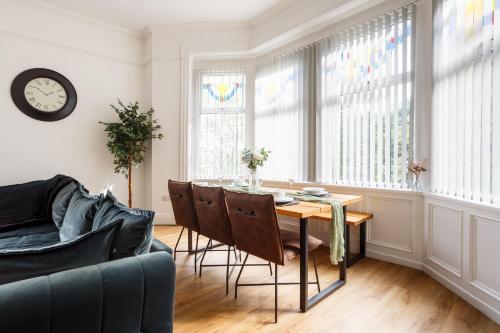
{"x":253,"y":157}
{"x":128,"y":138}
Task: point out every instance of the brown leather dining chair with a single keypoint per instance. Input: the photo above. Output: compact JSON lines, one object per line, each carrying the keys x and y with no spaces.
{"x":214,"y":222}
{"x":256,"y":232}
{"x":181,"y":197}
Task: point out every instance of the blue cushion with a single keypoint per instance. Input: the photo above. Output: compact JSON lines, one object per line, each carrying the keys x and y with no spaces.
{"x":136,"y":233}
{"x":31,"y":236}
{"x":89,"y":249}
{"x":61,"y":203}
{"x":79,"y":215}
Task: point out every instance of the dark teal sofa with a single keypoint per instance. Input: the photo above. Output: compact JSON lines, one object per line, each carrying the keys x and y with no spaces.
{"x":73,"y":262}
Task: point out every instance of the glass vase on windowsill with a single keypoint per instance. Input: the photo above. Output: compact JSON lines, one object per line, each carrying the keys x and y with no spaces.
{"x":253,"y":158}
{"x":417,"y":167}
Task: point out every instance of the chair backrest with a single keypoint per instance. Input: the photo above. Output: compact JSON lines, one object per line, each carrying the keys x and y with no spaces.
{"x":255,"y":225}
{"x":212,"y":214}
{"x":181,"y":197}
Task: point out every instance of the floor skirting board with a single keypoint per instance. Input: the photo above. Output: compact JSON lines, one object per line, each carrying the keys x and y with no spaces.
{"x":394,"y":259}
{"x":470,"y":298}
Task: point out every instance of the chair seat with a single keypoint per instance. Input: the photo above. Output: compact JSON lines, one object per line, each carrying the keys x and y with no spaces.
{"x":291,"y":243}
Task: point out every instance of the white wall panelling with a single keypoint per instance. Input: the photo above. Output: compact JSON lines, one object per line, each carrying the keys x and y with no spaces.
{"x":445,"y":235}
{"x":485,"y":255}
{"x":393,"y":223}
{"x":463,"y":250}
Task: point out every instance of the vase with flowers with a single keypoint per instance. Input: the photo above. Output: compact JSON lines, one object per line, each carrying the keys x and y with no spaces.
{"x":253,"y":158}
{"x":417,"y":167}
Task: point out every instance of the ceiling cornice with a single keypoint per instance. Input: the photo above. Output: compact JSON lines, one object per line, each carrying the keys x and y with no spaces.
{"x":83,"y":18}
{"x":297,"y":23}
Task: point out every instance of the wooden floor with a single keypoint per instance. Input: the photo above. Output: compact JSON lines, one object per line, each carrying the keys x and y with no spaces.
{"x":378,"y":297}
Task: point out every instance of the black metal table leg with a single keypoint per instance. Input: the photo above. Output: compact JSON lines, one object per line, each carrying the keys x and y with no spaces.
{"x":362,"y":237}
{"x":305,"y":302}
{"x":190,"y":241}
{"x":304,"y":226}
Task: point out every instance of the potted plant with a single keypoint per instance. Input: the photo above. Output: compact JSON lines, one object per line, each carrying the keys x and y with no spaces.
{"x":128,"y":139}
{"x":253,"y":158}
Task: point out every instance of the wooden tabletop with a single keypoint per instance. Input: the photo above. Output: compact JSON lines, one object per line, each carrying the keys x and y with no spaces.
{"x":307,"y":209}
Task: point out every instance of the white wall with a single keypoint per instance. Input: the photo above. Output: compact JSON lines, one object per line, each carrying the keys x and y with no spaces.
{"x":103,"y":64}
{"x":171,"y":48}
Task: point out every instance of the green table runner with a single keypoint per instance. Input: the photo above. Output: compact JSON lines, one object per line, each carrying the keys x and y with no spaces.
{"x":337,"y":249}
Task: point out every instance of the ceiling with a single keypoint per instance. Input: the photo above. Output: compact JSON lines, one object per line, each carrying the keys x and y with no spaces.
{"x":138,"y":14}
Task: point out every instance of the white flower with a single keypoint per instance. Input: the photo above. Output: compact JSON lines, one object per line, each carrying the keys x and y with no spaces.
{"x":258,"y":156}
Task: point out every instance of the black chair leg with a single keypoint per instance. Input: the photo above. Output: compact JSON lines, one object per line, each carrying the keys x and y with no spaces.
{"x":238,"y":278}
{"x":227,"y":268}
{"x":235,"y":255}
{"x":270,"y":270}
{"x":275,"y":293}
{"x":204,"y":253}
{"x":196,"y":253}
{"x":316,"y":272}
{"x":177,"y":244}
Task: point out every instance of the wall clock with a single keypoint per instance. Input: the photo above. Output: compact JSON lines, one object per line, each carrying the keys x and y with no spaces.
{"x":43,"y":94}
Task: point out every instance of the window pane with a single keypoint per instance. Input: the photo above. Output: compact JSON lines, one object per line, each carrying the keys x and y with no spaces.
{"x":221,"y":142}
{"x":223,"y":91}
{"x":220,"y":124}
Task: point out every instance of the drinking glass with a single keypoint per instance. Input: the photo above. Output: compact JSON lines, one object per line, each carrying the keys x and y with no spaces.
{"x":291,"y":180}
{"x":220,"y":181}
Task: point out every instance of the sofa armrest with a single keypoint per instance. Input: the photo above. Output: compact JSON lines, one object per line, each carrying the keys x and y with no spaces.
{"x":158,"y":246}
{"x":94,"y":298}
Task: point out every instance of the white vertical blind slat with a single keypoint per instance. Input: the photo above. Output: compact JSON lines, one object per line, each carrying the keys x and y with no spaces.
{"x":495,"y":115}
{"x":404,"y":101}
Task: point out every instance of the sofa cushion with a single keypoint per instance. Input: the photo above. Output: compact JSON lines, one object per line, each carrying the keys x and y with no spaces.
{"x":79,"y":215}
{"x":31,"y":236}
{"x":89,"y":249}
{"x":29,"y":203}
{"x":136,"y":233}
{"x":61,"y":203}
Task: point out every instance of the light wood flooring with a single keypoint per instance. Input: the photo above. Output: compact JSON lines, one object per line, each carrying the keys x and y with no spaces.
{"x":378,"y":297}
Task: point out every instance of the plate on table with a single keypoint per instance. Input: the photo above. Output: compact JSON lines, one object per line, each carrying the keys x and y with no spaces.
{"x":284,"y":200}
{"x":313,"y":190}
{"x":318,"y":194}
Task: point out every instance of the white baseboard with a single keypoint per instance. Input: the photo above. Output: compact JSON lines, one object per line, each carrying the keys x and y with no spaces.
{"x":164,"y":219}
{"x":394,"y":259}
{"x":463,"y":293}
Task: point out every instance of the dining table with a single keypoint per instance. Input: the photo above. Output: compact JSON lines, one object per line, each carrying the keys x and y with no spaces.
{"x":303,"y":211}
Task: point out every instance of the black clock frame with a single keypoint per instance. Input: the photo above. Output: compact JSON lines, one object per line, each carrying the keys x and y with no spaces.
{"x":17,"y":93}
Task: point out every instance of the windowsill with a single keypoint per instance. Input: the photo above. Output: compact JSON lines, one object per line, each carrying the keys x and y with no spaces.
{"x":462,"y":202}
{"x":330,"y":187}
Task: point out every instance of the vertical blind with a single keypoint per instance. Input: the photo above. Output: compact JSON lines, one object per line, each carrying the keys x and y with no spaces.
{"x":341,"y":110}
{"x":281,"y":115}
{"x":365,"y":102}
{"x":466,"y":123}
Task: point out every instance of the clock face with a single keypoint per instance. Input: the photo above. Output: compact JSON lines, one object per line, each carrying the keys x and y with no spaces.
{"x":45,"y":94}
